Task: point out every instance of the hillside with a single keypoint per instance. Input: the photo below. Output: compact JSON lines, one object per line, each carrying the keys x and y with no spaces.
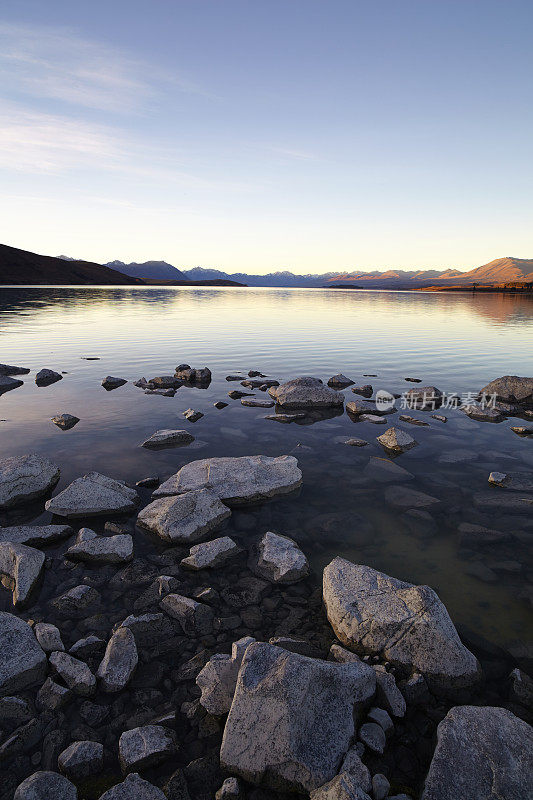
{"x":155,"y":270}
{"x":22,"y":267}
{"x":501,"y":270}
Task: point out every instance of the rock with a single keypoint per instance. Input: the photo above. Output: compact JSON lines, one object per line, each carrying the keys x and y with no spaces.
{"x":148,"y":629}
{"x":88,"y":647}
{"x":341,"y":787}
{"x":472,"y":535}
{"x":102,"y":549}
{"x":48,"y":637}
{"x":192,"y":415}
{"x":211,"y":554}
{"x":412,"y":420}
{"x":25,"y":478}
{"x":408,"y":625}
{"x":46,"y":377}
{"x":161,"y":392}
{"x":35,"y":536}
{"x":196,"y":619}
{"x":305,"y":393}
{"x":285,"y":417}
{"x":439,"y":418}
{"x":236,"y":394}
{"x":75,"y":673}
{"x":184,"y":518}
{"x":168,"y":438}
{"x":384,"y":470}
{"x":503,"y":502}
{"x":481,"y":414}
{"x":256,"y":403}
{"x":295,"y":645}
{"x":22,"y":661}
{"x":81,"y":759}
{"x":145,"y":747}
{"x":23,"y":567}
{"x":260,"y":384}
{"x":65,"y":421}
{"x":218,"y":678}
{"x":482,"y":753}
{"x":52,"y":696}
{"x":220,"y":404}
{"x":292,"y":717}
{"x":186,"y":373}
{"x":109,"y":383}
{"x":46,"y":786}
{"x":356,"y":442}
{"x":403,"y":497}
{"x":424,"y":397}
{"x":373,"y":736}
{"x":522,"y":688}
{"x":460,"y":455}
{"x":77,"y":602}
{"x":7,"y":369}
{"x":93,"y":495}
{"x":373,"y":418}
{"x":279,"y":559}
{"x":518,"y":481}
{"x":164,"y":382}
{"x":415,"y":690}
{"x":235,"y":377}
{"x":236,"y":481}
{"x":364,"y":391}
{"x":521,"y":430}
{"x":511,"y":389}
{"x":358,"y":407}
{"x":119,"y":662}
{"x":380,"y":787}
{"x":7,"y":384}
{"x":133,"y":788}
{"x":381,"y":718}
{"x":14,"y":711}
{"x":396,"y":441}
{"x":388,"y":693}
{"x":230,"y":790}
{"x":148,"y":483}
{"x":353,"y":766}
{"x":340,"y":381}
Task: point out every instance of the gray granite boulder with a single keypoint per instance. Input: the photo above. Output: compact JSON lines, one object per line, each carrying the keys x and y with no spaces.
{"x":342,"y":787}
{"x":217,"y":680}
{"x":45,"y":377}
{"x":305,"y":392}
{"x":35,"y":535}
{"x":52,"y":696}
{"x":236,"y":481}
{"x":184,"y":518}
{"x":119,"y":662}
{"x":93,"y":495}
{"x":484,"y":753}
{"x":81,"y":759}
{"x":48,"y":637}
{"x":145,"y":746}
{"x":134,"y":788}
{"x":168,"y":438}
{"x":211,"y":554}
{"x":394,"y":440}
{"x":75,"y":673}
{"x":196,"y":619}
{"x":511,"y":389}
{"x":23,"y":567}
{"x":46,"y":786}
{"x":77,"y":602}
{"x":482,"y":413}
{"x":292,"y":718}
{"x":408,"y":625}
{"x":22,"y":660}
{"x":101,"y":549}
{"x":279,"y":559}
{"x":254,"y":402}
{"x":25,"y":478}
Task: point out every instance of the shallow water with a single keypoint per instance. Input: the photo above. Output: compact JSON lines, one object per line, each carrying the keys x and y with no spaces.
{"x":455,"y":342}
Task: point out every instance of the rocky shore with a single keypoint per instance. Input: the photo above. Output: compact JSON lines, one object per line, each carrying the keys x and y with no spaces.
{"x":164,"y":642}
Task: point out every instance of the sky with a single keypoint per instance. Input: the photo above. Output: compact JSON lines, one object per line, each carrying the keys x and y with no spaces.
{"x":264,"y":135}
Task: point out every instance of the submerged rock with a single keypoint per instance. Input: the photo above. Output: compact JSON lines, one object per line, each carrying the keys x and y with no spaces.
{"x":404,"y":497}
{"x":168,"y":438}
{"x":279,"y":559}
{"x":25,"y":478}
{"x":292,"y":717}
{"x":185,"y":517}
{"x":256,"y":402}
{"x":47,"y":376}
{"x":305,"y":393}
{"x":22,"y":660}
{"x":93,"y":495}
{"x":482,"y":413}
{"x":481,"y":753}
{"x":23,"y":566}
{"x":236,"y":481}
{"x":285,"y":417}
{"x":109,"y":383}
{"x":65,"y":421}
{"x":405,"y":624}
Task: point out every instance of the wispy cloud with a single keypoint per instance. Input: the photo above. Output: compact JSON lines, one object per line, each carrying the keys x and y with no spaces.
{"x":58,"y":63}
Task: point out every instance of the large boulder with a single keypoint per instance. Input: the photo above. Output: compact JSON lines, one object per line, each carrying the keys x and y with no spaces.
{"x":101,"y":549}
{"x":46,"y":786}
{"x":25,"y":478}
{"x":408,"y":625}
{"x":119,"y":662}
{"x":292,"y":717}
{"x":93,"y":495}
{"x":483,"y":753}
{"x":279,"y":559}
{"x":305,"y":393}
{"x":133,"y":788}
{"x":22,"y":660}
{"x":23,"y":567}
{"x":211,"y":554}
{"x":217,"y":680}
{"x":511,"y":389}
{"x":145,"y":747}
{"x":35,"y":535}
{"x":184,"y":518}
{"x":236,"y":481}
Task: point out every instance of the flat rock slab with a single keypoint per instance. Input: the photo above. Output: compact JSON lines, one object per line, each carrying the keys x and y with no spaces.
{"x":8,"y":369}
{"x":22,"y":660}
{"x":133,"y":788}
{"x":119,"y":662}
{"x":93,"y":495}
{"x":184,"y":518}
{"x":292,"y":717}
{"x":408,"y":625}
{"x":278,"y":559}
{"x":168,"y":438}
{"x":7,"y":384}
{"x":483,"y":753}
{"x":25,"y":478}
{"x":237,"y":481}
{"x":46,"y":786}
{"x":256,"y":403}
{"x":404,"y":497}
{"x":506,"y":501}
{"x":23,"y":566}
{"x":211,"y":554}
{"x":103,"y":549}
{"x":35,"y":536}
{"x":145,"y":747}
{"x":305,"y":392}
{"x":286,"y":417}
{"x":386,"y":471}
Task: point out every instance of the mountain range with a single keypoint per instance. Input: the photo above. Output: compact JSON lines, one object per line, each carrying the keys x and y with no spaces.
{"x":502,"y":270}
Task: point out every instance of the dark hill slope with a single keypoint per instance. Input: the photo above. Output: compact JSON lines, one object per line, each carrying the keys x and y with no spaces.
{"x":22,"y":267}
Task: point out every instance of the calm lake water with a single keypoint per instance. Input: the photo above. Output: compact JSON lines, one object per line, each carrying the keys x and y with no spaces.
{"x":455,"y":342}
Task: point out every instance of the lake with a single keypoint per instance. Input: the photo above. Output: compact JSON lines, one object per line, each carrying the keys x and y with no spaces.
{"x":457,"y":342}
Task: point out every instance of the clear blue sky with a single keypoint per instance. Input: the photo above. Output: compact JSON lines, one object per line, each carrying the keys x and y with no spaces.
{"x":268,"y":134}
